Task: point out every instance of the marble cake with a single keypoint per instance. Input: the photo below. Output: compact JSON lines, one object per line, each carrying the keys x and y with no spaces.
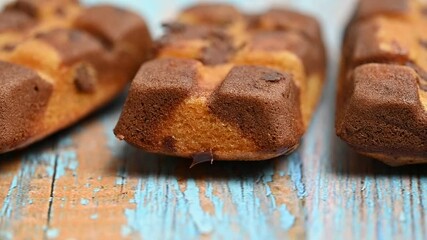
{"x":382,"y":102}
{"x":227,"y":86}
{"x":60,"y":61}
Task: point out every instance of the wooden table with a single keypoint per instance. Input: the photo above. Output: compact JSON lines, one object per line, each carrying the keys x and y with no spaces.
{"x":84,"y":184}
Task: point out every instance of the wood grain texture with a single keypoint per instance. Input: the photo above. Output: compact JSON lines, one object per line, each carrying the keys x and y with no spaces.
{"x":84,"y":184}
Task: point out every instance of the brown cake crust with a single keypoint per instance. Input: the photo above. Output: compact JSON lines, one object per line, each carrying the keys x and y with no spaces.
{"x":59,"y":62}
{"x":226,"y":86}
{"x":261,"y":101}
{"x":382,"y":100}
{"x":157,"y":89}
{"x":23,"y":100}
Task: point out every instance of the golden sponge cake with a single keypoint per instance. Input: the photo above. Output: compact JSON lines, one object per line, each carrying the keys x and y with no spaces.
{"x":227,"y":86}
{"x":59,"y":61}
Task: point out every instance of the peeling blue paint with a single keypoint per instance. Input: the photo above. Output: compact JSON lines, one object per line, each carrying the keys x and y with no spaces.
{"x":161,"y":206}
{"x":120,"y":180}
{"x":201,"y":218}
{"x":126,"y":230}
{"x":84,"y":201}
{"x":65,"y":156}
{"x":67,"y":160}
{"x":295,"y":171}
{"x":217,"y":202}
{"x":287,"y":220}
{"x":6,"y":235}
{"x":52,"y":233}
{"x":18,"y":194}
{"x":267,"y":177}
{"x":248,"y":209}
{"x":7,"y":209}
